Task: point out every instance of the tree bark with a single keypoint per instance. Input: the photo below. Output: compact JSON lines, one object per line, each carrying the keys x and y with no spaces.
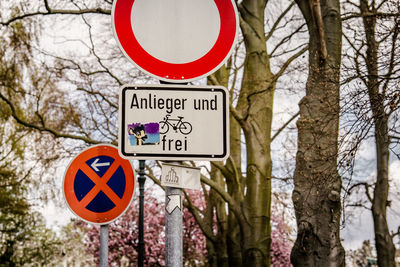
{"x":255,"y":107}
{"x":217,"y":249}
{"x":233,"y":182}
{"x":383,"y":241}
{"x":316,"y":195}
{"x":235,"y":189}
{"x":228,"y":249}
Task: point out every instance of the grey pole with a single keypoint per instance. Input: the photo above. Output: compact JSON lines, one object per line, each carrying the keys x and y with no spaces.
{"x":104,"y":245}
{"x":173,"y":227}
{"x":173,"y":224}
{"x":142,"y":180}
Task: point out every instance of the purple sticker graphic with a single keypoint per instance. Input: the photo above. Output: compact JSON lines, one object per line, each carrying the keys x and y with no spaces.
{"x":143,"y":134}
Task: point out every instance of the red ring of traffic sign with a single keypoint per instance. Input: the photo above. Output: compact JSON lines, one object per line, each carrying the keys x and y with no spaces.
{"x":185,"y":72}
{"x":98,"y":184}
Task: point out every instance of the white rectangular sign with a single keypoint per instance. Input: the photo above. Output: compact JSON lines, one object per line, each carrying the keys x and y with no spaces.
{"x":180,"y":176}
{"x":174,"y":122}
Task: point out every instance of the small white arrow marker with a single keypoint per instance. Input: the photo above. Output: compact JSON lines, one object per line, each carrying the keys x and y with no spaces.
{"x":95,"y":165}
{"x":174,"y":202}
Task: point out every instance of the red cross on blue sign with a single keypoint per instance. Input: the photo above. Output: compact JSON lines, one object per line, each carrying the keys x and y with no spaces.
{"x":99,"y":184}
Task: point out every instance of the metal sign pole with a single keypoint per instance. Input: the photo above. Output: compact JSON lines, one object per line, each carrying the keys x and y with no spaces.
{"x":173,"y":223}
{"x":173,"y":227}
{"x":104,"y":245}
{"x":142,"y":180}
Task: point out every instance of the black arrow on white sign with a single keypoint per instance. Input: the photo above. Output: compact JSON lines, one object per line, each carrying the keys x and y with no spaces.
{"x":173,"y":203}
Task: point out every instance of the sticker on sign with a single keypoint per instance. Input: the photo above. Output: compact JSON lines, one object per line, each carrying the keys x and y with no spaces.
{"x":173,"y":122}
{"x":180,"y":176}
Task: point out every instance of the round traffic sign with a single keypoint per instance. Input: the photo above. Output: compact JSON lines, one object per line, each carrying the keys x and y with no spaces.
{"x":99,"y":184}
{"x":176,"y":40}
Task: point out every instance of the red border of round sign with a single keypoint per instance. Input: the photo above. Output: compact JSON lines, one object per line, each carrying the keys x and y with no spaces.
{"x":69,"y":178}
{"x":121,"y":21}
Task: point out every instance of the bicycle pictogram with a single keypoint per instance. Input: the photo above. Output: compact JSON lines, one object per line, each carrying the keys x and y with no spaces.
{"x":177,"y":124}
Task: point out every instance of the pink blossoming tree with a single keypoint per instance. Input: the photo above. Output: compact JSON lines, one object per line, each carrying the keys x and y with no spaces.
{"x":123,"y":236}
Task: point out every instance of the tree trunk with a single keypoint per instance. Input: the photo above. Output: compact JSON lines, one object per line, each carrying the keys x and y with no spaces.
{"x":6,"y":257}
{"x":316,"y":195}
{"x":217,"y":250}
{"x":216,"y":207}
{"x":255,"y":107}
{"x":235,"y":189}
{"x":383,"y":241}
{"x":233,"y":182}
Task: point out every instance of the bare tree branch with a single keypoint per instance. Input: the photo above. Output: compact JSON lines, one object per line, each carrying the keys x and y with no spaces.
{"x":281,"y":16}
{"x":381,"y":15}
{"x":206,"y":229}
{"x":290,"y":60}
{"x":284,"y":126}
{"x":50,"y":11}
{"x":43,"y":128}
